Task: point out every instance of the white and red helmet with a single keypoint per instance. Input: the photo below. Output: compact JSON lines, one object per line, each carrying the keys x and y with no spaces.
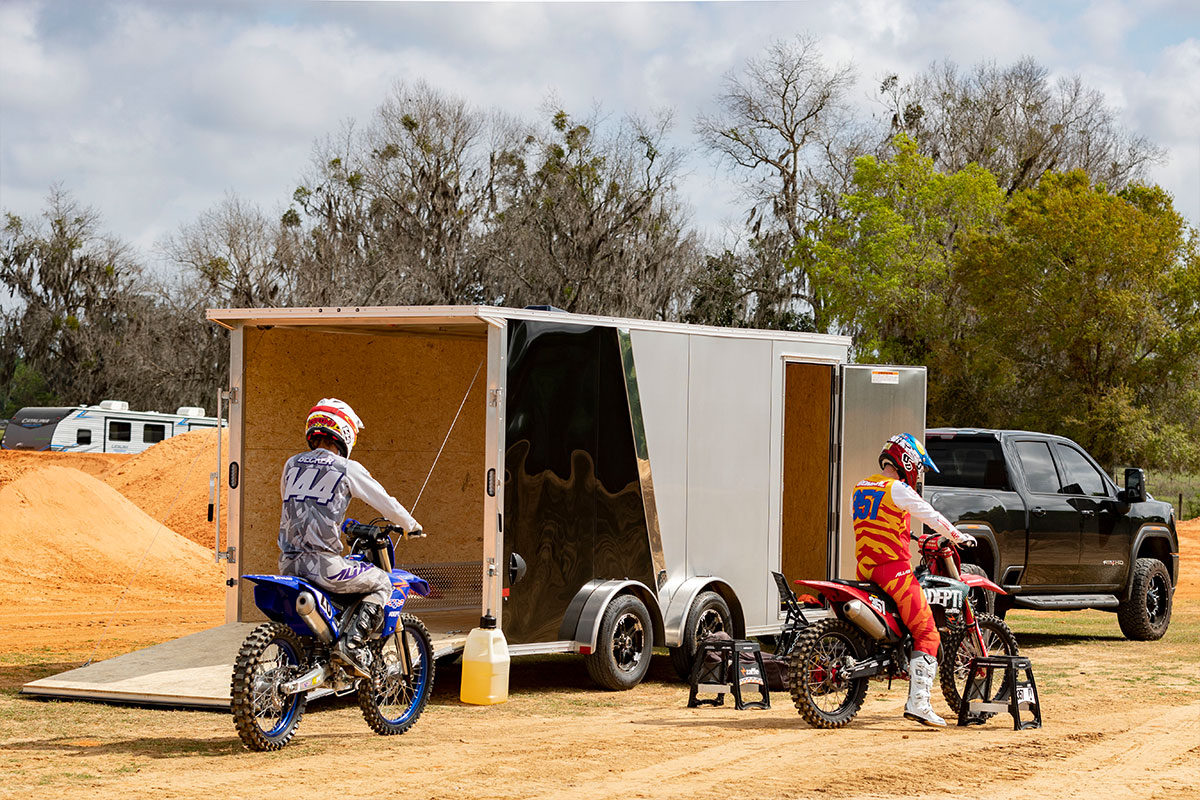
{"x":335,"y":419}
{"x":906,"y":453}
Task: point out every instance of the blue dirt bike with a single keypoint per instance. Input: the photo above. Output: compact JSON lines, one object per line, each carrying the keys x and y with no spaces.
{"x":285,"y":660}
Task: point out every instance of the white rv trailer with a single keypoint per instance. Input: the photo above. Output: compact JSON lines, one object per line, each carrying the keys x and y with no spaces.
{"x":638,"y":469}
{"x":107,"y":428}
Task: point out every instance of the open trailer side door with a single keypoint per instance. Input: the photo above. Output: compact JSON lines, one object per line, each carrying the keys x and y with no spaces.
{"x":875,"y":403}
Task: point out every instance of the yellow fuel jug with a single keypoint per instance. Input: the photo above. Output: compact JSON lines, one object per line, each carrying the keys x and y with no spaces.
{"x":485,"y":665}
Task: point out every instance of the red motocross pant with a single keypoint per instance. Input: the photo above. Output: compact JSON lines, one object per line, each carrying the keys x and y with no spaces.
{"x":897,"y":579}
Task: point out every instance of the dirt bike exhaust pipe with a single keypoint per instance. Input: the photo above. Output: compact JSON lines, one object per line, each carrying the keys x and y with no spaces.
{"x":306,"y":607}
{"x":866,"y":619}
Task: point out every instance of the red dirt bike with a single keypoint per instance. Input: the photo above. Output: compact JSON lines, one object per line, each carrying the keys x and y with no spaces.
{"x":833,"y":660}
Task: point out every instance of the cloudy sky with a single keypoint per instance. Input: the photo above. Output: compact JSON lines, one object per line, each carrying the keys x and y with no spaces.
{"x":152,"y":111}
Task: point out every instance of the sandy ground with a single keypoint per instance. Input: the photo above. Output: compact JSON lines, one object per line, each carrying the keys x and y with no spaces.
{"x":1122,"y":720}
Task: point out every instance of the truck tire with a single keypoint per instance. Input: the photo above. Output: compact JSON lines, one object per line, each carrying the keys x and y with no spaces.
{"x":1145,"y":616}
{"x":983,"y":601}
{"x":708,"y":615}
{"x":623,"y":646}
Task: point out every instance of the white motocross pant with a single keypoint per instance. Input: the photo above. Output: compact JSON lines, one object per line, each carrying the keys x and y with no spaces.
{"x":340,"y":575}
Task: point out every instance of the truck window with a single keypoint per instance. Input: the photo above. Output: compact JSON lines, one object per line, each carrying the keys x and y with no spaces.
{"x":1082,"y":477}
{"x":967,"y":463}
{"x":1038,"y":464}
{"x":152,"y":434}
{"x":119,"y":431}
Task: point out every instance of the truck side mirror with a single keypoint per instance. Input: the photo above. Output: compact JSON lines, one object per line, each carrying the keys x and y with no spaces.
{"x":1135,"y":486}
{"x":516,"y":568}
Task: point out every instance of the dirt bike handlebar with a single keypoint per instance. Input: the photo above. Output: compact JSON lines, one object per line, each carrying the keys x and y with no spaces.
{"x":372,"y":532}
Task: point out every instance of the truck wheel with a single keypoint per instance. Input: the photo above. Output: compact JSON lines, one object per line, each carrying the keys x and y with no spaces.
{"x":623,"y":646}
{"x":983,"y":601}
{"x":708,"y":615}
{"x":1145,"y":616}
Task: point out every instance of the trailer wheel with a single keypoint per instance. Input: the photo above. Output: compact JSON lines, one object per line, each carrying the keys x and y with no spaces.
{"x":624,"y":645}
{"x":709,"y":614}
{"x":1145,"y":616}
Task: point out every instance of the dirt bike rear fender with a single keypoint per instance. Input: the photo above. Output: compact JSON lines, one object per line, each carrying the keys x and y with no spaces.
{"x":275,"y":596}
{"x":837,"y":592}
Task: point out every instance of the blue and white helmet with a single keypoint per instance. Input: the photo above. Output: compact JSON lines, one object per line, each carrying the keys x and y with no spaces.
{"x":909,"y":457}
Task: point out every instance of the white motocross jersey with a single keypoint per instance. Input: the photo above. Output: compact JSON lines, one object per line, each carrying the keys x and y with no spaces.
{"x":316,"y":488}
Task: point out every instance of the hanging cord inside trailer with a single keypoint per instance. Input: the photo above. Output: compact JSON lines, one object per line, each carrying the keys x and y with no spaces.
{"x":161,"y":527}
{"x":452,"y":424}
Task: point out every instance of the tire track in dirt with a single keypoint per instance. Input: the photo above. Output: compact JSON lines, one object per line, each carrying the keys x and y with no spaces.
{"x":1161,"y":754}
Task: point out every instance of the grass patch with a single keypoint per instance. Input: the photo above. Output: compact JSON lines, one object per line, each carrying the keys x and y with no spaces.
{"x":1180,"y":489}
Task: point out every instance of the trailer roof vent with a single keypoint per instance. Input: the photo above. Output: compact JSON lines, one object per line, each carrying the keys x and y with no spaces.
{"x":114,"y":405}
{"x":190,"y":411}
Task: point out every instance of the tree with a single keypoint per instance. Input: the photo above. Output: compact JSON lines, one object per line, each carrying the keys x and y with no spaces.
{"x":1016,"y":124}
{"x":884,"y":265}
{"x":237,"y":253}
{"x":73,"y":286}
{"x":783,"y":123}
{"x":1087,"y":318}
{"x":588,"y":220}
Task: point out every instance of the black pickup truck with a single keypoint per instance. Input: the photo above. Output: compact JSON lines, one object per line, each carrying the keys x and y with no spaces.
{"x":1052,"y":527}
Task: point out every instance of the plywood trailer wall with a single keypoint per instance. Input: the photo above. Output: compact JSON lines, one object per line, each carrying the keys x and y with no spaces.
{"x":406,"y":387}
{"x":807,"y":430}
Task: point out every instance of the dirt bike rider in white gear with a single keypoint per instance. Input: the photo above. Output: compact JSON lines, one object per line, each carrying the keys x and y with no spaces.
{"x":316,"y":488}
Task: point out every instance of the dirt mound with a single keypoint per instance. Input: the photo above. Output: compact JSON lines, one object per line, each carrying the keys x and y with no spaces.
{"x":15,"y":463}
{"x":1189,"y":558}
{"x":175,"y":471}
{"x":70,"y":537}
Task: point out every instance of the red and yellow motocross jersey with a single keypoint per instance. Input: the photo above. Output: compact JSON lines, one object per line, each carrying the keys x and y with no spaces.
{"x":881,"y":528}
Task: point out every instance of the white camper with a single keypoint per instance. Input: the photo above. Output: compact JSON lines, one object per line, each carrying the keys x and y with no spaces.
{"x":107,"y":428}
{"x":648,"y":476}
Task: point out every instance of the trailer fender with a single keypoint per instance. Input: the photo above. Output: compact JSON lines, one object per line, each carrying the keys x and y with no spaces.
{"x":686,"y":594}
{"x":581,"y":623}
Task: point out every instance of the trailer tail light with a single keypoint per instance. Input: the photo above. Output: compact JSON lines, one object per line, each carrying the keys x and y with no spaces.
{"x":584,"y":650}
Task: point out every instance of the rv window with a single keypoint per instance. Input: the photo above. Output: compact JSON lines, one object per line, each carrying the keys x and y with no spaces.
{"x":153,"y":433}
{"x":83,"y":436}
{"x":119,"y":431}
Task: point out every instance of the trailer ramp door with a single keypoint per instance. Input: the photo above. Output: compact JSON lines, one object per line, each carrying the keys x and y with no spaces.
{"x":877,"y":402}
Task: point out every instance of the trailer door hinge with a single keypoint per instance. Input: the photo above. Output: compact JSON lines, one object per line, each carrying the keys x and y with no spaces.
{"x":230,"y":395}
{"x":227,"y":555}
{"x":494,"y":396}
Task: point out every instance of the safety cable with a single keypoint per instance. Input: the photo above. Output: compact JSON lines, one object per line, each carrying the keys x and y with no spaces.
{"x":161,"y":527}
{"x":452,"y":424}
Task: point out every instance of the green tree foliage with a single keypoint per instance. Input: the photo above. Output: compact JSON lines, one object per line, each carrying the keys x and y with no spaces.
{"x":1086,"y":319}
{"x":70,"y":283}
{"x":885,"y":264}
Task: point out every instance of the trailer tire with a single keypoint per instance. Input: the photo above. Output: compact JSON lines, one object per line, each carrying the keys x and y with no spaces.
{"x":623,"y":646}
{"x":1145,"y":616}
{"x":983,"y":601}
{"x":708,"y":615}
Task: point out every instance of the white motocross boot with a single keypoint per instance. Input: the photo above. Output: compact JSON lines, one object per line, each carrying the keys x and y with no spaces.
{"x":922,"y":668}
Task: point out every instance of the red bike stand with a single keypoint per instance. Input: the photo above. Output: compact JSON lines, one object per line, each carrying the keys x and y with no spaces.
{"x":1022,"y":694}
{"x":739,"y":662}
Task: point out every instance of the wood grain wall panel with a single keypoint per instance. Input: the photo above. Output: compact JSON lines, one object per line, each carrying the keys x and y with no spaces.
{"x":806,"y":470}
{"x":406,"y":388}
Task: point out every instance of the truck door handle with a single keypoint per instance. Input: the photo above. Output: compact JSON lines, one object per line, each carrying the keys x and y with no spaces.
{"x":1038,"y":511}
{"x":1087,"y":512}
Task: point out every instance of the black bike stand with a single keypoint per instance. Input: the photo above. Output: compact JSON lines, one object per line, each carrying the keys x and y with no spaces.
{"x":1022,"y":694}
{"x":729,"y":673}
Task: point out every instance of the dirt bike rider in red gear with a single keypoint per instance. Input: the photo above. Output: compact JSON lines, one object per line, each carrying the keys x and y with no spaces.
{"x":883,"y":507}
{"x":316,"y":488}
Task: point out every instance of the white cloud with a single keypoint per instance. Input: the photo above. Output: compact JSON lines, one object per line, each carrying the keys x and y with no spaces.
{"x":152,"y":112}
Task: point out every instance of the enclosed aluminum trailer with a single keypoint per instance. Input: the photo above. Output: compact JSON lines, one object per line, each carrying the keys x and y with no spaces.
{"x":649,"y":476}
